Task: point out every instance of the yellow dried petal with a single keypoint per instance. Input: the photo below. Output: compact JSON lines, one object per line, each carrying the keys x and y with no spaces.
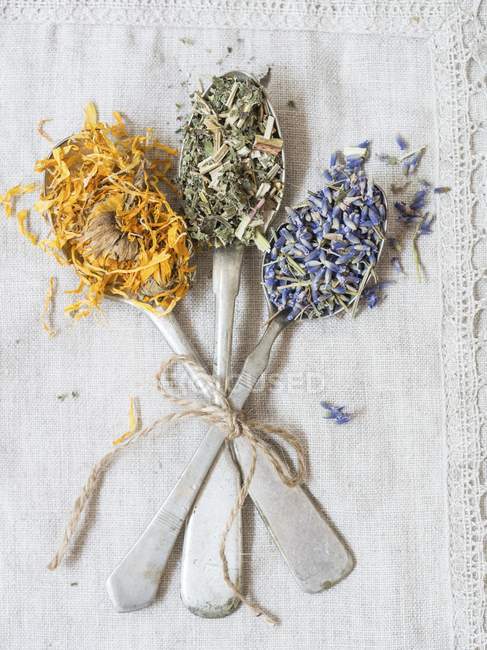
{"x":132,"y":425}
{"x":21,"y":218}
{"x":46,"y":318}
{"x":91,"y":115}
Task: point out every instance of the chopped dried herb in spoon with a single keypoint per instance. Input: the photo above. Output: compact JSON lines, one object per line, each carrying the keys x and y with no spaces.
{"x":231,"y":165}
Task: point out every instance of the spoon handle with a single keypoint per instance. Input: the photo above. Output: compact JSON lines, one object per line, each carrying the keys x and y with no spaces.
{"x":314,"y":552}
{"x":134,"y":582}
{"x":179,"y":344}
{"x":227,"y":267}
{"x":203,"y":589}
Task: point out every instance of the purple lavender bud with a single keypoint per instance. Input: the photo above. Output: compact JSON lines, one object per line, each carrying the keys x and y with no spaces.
{"x":396,"y":264}
{"x":401,"y":142}
{"x":419,"y":200}
{"x":335,"y":413}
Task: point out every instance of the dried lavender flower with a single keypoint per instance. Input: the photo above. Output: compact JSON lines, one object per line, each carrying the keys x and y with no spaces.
{"x":401,"y":142}
{"x":335,"y":413}
{"x":396,"y":264}
{"x":231,"y":168}
{"x":321,"y":259}
{"x":394,"y":244}
{"x":373,"y":294}
{"x":410,"y":161}
{"x":424,"y":226}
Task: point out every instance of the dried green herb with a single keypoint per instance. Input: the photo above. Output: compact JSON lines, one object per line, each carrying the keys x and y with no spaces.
{"x":231,"y":167}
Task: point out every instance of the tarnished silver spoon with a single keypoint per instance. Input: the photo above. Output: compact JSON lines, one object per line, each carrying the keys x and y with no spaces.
{"x":314,"y":552}
{"x":203,"y":589}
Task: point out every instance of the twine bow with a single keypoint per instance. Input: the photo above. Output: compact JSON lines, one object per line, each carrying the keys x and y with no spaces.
{"x":220,"y":413}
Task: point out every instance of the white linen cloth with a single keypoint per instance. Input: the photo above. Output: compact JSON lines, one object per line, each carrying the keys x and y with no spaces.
{"x":402,"y":481}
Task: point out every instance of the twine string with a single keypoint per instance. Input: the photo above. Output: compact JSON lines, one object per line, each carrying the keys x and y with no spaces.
{"x":218,"y":412}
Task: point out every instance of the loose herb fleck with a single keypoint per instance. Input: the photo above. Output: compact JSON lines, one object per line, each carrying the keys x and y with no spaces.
{"x":62,"y":396}
{"x":231,"y":167}
{"x":41,"y":131}
{"x":323,"y":257}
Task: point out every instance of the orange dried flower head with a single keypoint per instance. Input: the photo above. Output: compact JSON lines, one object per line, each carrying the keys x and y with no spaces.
{"x":111,"y":219}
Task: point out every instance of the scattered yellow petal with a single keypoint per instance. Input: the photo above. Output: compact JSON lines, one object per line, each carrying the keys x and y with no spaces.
{"x":7,"y":200}
{"x":21,"y":218}
{"x":133,"y":422}
{"x":46,"y":318}
{"x":91,"y":115}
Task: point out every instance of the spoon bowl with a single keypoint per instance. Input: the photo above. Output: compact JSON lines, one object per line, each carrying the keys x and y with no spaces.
{"x":310,"y":314}
{"x":270,"y":212}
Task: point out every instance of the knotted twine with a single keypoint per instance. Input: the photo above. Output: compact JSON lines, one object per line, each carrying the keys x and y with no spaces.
{"x":220,"y":413}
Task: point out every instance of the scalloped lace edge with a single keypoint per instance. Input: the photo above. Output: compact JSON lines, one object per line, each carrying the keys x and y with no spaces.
{"x":459,"y":56}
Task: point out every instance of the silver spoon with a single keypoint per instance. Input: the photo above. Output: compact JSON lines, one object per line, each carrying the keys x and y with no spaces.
{"x":134,"y":582}
{"x":166,"y":324}
{"x":314,"y":552}
{"x":203,"y":589}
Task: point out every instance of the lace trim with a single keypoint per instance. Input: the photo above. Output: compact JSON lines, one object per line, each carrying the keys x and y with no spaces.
{"x":397,"y":16}
{"x":459,"y":52}
{"x":458,"y":42}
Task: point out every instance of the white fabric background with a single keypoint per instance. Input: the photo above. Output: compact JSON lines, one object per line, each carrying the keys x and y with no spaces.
{"x":363,"y":71}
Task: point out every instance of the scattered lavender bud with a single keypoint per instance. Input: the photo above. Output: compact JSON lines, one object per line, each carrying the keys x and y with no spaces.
{"x":396,"y":264}
{"x":410,"y":162}
{"x":401,"y":142}
{"x":371,"y":298}
{"x":412,"y":214}
{"x":419,"y":200}
{"x":405,"y":213}
{"x":394,"y":244}
{"x":424,"y":226}
{"x":335,"y":413}
{"x":372,"y":295}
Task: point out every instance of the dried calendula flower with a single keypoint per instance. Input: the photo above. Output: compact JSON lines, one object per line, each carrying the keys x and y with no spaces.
{"x":111,"y":219}
{"x":231,"y":167}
